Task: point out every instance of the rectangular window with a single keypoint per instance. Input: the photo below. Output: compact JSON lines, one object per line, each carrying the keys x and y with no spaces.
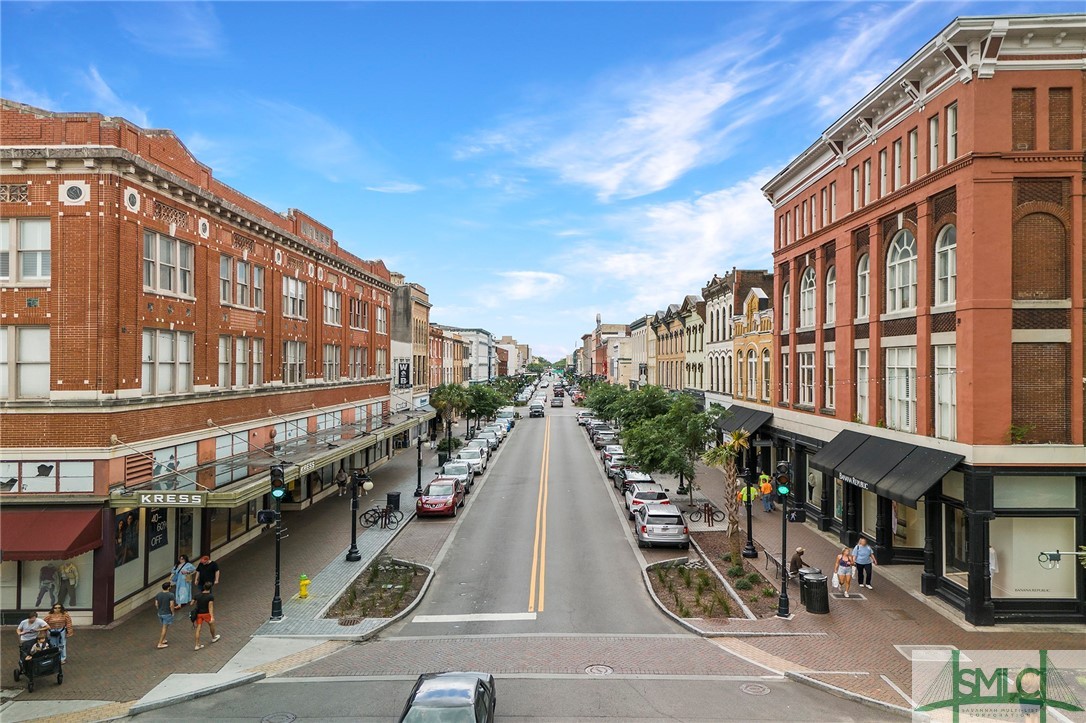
{"x":897,"y":164}
{"x":293,"y":362}
{"x":224,"y":361}
{"x":167,"y":362}
{"x":766,"y":376}
{"x":226,"y":280}
{"x":856,"y":188}
{"x":884,"y":174}
{"x":901,"y":388}
{"x":862,"y":376}
{"x":25,"y":246}
{"x":258,"y":362}
{"x":331,"y":362}
{"x":933,"y":143}
{"x":258,"y":287}
{"x":828,"y":379}
{"x":914,"y":155}
{"x":332,"y":307}
{"x":28,"y":377}
{"x":806,"y":378}
{"x":382,"y":362}
{"x":788,"y":227}
{"x":354,"y":313}
{"x":833,"y":201}
{"x":946,"y":392}
{"x":354,"y":363}
{"x":951,"y":132}
{"x":241,"y":361}
{"x":242,"y":295}
{"x":293,"y":298}
{"x":382,"y":320}
{"x":167,"y":265}
{"x":867,"y":182}
{"x":805,"y":227}
{"x":1023,"y":119}
{"x":825,"y":207}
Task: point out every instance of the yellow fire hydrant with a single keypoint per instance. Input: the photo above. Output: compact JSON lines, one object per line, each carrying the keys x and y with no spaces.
{"x":303,"y":583}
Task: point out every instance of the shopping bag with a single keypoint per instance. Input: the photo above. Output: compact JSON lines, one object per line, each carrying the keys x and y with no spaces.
{"x":836,"y":582}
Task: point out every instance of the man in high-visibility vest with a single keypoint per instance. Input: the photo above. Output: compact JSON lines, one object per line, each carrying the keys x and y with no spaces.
{"x":765,"y":482}
{"x":746,"y":493}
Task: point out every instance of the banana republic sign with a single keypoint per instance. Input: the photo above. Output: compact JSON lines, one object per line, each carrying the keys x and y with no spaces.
{"x":171,"y":499}
{"x":853,"y":481}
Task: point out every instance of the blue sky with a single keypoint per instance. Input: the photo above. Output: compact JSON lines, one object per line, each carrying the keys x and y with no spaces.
{"x":530,"y":164}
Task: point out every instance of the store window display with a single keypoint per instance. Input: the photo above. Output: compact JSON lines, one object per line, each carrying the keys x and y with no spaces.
{"x":45,"y":583}
{"x":1012,"y":557}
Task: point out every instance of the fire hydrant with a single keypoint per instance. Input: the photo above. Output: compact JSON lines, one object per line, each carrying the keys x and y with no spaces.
{"x":303,"y":583}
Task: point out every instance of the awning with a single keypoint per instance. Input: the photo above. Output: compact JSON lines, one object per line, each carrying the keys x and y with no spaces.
{"x":900,"y":471}
{"x":745,"y":418}
{"x":49,"y":533}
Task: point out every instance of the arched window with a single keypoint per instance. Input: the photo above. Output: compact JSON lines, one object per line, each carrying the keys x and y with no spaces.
{"x":831,"y":295}
{"x":765,"y":375}
{"x":752,"y":375}
{"x":807,"y":299}
{"x":786,"y":308}
{"x":728,"y":374}
{"x":901,"y":272}
{"x":863,"y":279}
{"x":946,"y":266}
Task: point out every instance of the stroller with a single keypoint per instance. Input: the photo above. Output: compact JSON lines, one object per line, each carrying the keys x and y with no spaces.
{"x":42,"y":663}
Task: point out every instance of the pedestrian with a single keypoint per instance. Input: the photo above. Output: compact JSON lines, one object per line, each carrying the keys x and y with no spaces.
{"x":747,"y":493}
{"x":765,"y":483}
{"x":865,"y":558}
{"x":205,"y":613}
{"x":843,"y":566}
{"x":29,"y":628}
{"x":165,"y":604}
{"x":207,"y":572}
{"x":60,"y":627}
{"x":39,"y":644}
{"x":796,"y":562}
{"x":433,"y":443}
{"x":341,"y":481}
{"x":181,"y":577}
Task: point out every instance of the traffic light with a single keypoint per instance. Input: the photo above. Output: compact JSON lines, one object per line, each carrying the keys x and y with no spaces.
{"x":278,"y":481}
{"x":783,"y":480}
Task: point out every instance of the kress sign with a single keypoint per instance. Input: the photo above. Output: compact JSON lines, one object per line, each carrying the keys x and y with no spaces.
{"x":171,"y":499}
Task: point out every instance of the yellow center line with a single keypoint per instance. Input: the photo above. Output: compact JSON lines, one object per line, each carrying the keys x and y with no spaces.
{"x":539,"y":543}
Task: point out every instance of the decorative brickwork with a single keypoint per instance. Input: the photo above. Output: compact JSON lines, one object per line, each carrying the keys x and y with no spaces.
{"x":910,"y":215}
{"x":784,"y":340}
{"x":1042,"y":190}
{"x":829,"y":335}
{"x":169,"y":214}
{"x":944,"y":204}
{"x":243,"y":242}
{"x":898,"y":327}
{"x":1040,"y":393}
{"x":1042,"y":319}
{"x":862,"y":331}
{"x":861,"y":239}
{"x":1040,"y":258}
{"x":943,"y":322}
{"x":1023,"y":119}
{"x":14,"y":193}
{"x":1059,"y":119}
{"x":805,"y":337}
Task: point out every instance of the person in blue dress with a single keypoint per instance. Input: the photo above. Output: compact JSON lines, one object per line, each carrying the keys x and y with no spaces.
{"x":181,"y":577}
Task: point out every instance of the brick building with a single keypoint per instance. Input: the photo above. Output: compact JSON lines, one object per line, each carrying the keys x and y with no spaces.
{"x":164,"y":339}
{"x":929,"y":347}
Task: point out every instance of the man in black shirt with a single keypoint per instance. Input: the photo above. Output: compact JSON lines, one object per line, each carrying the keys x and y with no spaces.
{"x":207,"y":573}
{"x":205,"y":613}
{"x":165,"y":605}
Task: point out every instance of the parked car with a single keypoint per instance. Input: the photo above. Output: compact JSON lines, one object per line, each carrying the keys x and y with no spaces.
{"x":595,"y":426}
{"x":628,"y":476}
{"x":585,"y":416}
{"x":483,"y":446}
{"x":615,"y":463}
{"x":509,"y":415}
{"x":604,"y":437}
{"x":473,"y":457}
{"x":451,"y":697}
{"x":606,"y":452}
{"x":460,"y":470}
{"x":642,"y":493}
{"x":661,"y":525}
{"x":557,"y":402}
{"x":498,"y":429}
{"x":490,"y":437}
{"x":441,"y":497}
{"x":535,"y":409}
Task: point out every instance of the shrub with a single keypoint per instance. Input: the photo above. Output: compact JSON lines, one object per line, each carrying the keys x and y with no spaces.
{"x":684,"y":573}
{"x":754,"y":578}
{"x":726,"y":557}
{"x":700,"y":587}
{"x":703,"y":578}
{"x":683,"y":611}
{"x":743,"y":584}
{"x":661,"y":575}
{"x":768,"y":591}
{"x":721,"y":601}
{"x":735,"y":571}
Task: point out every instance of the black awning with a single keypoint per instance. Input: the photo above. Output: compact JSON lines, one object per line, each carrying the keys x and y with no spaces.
{"x":872,"y":461}
{"x":838,"y":448}
{"x":916,"y":474}
{"x":745,"y":418}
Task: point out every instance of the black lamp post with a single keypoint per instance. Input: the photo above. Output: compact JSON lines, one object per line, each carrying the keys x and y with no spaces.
{"x":418,"y":484}
{"x":748,"y":550}
{"x":784,"y":473}
{"x":353,"y":555}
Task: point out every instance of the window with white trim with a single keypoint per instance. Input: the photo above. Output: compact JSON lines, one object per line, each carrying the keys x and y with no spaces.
{"x":786,"y":307}
{"x":47,"y":475}
{"x":807,"y":297}
{"x":867,"y":181}
{"x":914,"y":154}
{"x":752,"y":375}
{"x":382,"y":362}
{"x":946,"y":392}
{"x":951,"y":132}
{"x":331,"y":362}
{"x":831,"y":295}
{"x":786,"y":378}
{"x":356,"y":366}
{"x":833,"y":201}
{"x":766,"y":375}
{"x":901,"y":388}
{"x":25,"y":246}
{"x":224,"y":361}
{"x":884,"y":174}
{"x":24,"y":362}
{"x":901,"y":272}
{"x":333,"y":308}
{"x":293,"y":362}
{"x":856,"y":188}
{"x":258,"y":362}
{"x":167,"y":265}
{"x":814,"y":213}
{"x":167,"y":362}
{"x":946,"y":266}
{"x":806,"y":378}
{"x":293,"y":298}
{"x":805,"y":219}
{"x":241,"y":361}
{"x":243,"y":276}
{"x":226,"y":279}
{"x":825,"y":196}
{"x":787,"y":227}
{"x":863,"y":280}
{"x":897,"y":164}
{"x":382,"y":320}
{"x":354,"y":313}
{"x":933,"y":143}
{"x":829,"y":371}
{"x":862,"y":381}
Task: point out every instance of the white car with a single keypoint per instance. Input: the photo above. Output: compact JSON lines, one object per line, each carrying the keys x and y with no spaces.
{"x":473,"y":457}
{"x":460,"y":470}
{"x":490,"y":437}
{"x":483,"y":446}
{"x":610,"y":449}
{"x":644,"y":493}
{"x":498,"y":429}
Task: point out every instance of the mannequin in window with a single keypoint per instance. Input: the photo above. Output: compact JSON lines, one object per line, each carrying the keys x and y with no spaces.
{"x":69,"y":579}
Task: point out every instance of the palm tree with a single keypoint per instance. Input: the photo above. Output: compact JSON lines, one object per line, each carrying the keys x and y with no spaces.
{"x":725,"y":456}
{"x":448,"y":399}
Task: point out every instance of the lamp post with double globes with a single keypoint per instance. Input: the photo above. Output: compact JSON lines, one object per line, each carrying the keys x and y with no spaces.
{"x":748,"y":482}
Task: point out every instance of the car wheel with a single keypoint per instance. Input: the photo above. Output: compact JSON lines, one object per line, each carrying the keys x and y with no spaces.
{"x":641,"y":543}
{"x":686,"y":545}
{"x":631,"y":515}
{"x":453,"y":511}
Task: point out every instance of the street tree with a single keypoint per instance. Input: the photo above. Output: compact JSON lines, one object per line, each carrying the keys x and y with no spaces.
{"x":725,"y":457}
{"x":606,"y":399}
{"x":672,"y":442}
{"x":641,"y":404}
{"x":484,"y":401}
{"x":448,"y":400}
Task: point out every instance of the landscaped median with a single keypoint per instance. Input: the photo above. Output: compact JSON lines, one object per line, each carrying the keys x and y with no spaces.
{"x":386,"y":589}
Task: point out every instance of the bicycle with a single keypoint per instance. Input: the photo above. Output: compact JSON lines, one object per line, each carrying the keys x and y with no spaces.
{"x":708,"y":512}
{"x":385,"y":516}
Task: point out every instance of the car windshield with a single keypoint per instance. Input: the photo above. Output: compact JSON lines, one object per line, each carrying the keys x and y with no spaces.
{"x":440,"y":715}
{"x":443,"y":489}
{"x":664,"y":520}
{"x":457,"y":468}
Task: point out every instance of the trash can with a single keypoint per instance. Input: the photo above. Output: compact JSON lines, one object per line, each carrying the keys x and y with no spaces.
{"x":803,"y":573}
{"x":394,"y":500}
{"x":442,"y":458}
{"x":818,"y":594}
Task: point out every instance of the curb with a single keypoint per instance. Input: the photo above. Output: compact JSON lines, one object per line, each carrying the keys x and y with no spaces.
{"x":403,"y":613}
{"x":895,"y":710}
{"x":192,"y":695}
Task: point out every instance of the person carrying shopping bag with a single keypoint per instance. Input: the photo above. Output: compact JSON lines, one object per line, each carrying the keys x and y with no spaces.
{"x":843,"y":566}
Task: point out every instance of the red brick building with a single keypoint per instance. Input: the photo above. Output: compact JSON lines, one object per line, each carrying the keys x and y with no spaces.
{"x":929,"y":342}
{"x":164,"y":339}
{"x":501,"y":356}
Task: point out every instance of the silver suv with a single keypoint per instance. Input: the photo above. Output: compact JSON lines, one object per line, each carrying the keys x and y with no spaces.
{"x":661,"y":525}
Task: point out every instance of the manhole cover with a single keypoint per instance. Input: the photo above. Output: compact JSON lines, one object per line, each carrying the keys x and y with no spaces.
{"x":279,"y":718}
{"x":599,"y":670}
{"x":754,"y":689}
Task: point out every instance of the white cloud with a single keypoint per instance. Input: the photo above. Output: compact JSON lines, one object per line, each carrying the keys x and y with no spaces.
{"x":14,"y":88}
{"x":519,"y":286}
{"x":395,"y":187}
{"x":106,"y":101}
{"x":175,"y":29}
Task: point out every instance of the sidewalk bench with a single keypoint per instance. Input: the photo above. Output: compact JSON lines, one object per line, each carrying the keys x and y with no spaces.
{"x":777,"y":564}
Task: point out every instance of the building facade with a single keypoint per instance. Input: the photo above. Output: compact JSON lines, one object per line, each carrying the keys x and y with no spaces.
{"x":640,"y":372}
{"x":930,"y":344}
{"x":692,"y":314}
{"x":667,"y":327}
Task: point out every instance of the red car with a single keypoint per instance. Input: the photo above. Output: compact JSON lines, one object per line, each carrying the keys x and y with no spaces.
{"x":441,"y":497}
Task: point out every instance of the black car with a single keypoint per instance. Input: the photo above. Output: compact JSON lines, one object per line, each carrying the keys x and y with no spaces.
{"x":451,"y":698}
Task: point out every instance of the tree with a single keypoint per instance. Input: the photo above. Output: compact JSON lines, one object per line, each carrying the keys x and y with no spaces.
{"x":484,"y":401}
{"x":725,"y":456}
{"x":644,"y":403}
{"x":671,"y":442}
{"x":606,"y":400}
{"x":448,"y":399}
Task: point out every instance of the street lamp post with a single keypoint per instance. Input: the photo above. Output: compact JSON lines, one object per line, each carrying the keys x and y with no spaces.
{"x":784,"y":473}
{"x":471,"y":426}
{"x":748,"y":550}
{"x":278,"y":490}
{"x":418,"y":483}
{"x":353,"y":555}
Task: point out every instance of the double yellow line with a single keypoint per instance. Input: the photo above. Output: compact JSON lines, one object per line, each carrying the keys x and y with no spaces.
{"x":539,"y":545}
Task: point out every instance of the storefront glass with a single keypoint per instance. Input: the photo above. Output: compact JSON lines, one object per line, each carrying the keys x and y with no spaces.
{"x":1019,"y":492}
{"x":838,"y":499}
{"x":220,"y":527}
{"x":47,"y":582}
{"x":814,"y":487}
{"x":128,"y":552}
{"x":239,"y":520}
{"x":954,"y":485}
{"x":956,"y":546}
{"x":188,"y":533}
{"x":1012,"y":557}
{"x":869,"y":502}
{"x":160,"y":527}
{"x":907,"y":524}
{"x":9,"y":585}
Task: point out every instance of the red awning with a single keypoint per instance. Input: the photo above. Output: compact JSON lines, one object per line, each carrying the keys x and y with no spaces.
{"x":49,"y":534}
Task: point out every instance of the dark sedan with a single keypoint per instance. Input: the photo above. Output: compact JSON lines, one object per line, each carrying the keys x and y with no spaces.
{"x":451,"y":698}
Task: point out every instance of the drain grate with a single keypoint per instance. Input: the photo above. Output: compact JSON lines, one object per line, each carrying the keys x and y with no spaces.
{"x":754,"y":689}
{"x":599,"y":670}
{"x":279,"y":718}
